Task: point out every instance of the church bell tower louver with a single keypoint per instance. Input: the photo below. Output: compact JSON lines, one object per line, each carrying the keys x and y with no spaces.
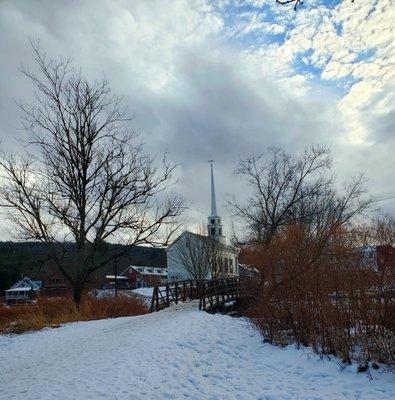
{"x":214,"y":226}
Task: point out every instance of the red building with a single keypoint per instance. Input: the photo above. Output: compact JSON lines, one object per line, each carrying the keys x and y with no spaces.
{"x":141,"y":276}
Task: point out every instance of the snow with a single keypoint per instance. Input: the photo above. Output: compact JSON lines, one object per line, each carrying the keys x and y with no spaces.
{"x":178,"y":353}
{"x":146,"y":291}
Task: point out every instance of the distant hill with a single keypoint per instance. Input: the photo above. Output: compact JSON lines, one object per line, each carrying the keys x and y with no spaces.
{"x":27,"y":258}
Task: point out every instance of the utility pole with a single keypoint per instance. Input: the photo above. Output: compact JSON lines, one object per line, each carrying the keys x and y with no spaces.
{"x":115,"y":276}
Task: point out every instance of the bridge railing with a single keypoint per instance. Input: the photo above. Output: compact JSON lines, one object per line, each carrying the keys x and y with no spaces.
{"x":210,"y":293}
{"x":221,"y":291}
{"x":166,"y":294}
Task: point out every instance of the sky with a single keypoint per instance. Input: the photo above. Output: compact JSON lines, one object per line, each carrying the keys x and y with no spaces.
{"x":224,"y":80}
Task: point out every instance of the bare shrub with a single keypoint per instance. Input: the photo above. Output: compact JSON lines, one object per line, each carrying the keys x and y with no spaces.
{"x":50,"y":312}
{"x":333,"y":299}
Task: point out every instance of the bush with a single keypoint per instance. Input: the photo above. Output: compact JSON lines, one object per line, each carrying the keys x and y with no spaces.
{"x":50,"y":312}
{"x":330,"y":300}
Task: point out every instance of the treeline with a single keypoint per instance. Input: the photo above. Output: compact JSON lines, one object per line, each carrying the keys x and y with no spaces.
{"x":17,"y":259}
{"x":318,"y":286}
{"x":30,"y":259}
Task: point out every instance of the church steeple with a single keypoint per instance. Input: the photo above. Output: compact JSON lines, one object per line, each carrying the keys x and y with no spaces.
{"x":214,"y":226}
{"x":213,"y":200}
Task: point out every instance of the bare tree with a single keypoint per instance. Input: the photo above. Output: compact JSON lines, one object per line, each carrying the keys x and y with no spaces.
{"x":288,"y":189}
{"x":87,"y":180}
{"x":199,"y":255}
{"x":189,"y":253}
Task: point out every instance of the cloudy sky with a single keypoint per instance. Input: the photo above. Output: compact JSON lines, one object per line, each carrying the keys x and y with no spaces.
{"x":224,"y":79}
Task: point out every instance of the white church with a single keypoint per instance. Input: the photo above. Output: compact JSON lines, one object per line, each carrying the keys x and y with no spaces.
{"x":197,"y":256}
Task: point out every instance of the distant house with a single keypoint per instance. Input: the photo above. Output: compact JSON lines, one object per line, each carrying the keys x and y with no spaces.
{"x":379,"y":258}
{"x":142,"y":276}
{"x":24,"y":290}
{"x":54,"y":283}
{"x":136,"y":276}
{"x":138,"y":256}
{"x":122,"y":282}
{"x":247,"y":271}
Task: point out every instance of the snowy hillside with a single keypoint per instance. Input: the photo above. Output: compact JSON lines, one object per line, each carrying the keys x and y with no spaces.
{"x":179,"y":353}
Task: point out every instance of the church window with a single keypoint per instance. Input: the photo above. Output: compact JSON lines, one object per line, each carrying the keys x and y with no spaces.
{"x":220,"y":231}
{"x":213,"y":221}
{"x":212,"y":231}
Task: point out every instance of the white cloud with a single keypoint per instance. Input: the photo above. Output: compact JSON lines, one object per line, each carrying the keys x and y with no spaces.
{"x":339,"y":41}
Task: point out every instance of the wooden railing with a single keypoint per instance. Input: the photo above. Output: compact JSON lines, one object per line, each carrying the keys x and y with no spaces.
{"x":221,"y":291}
{"x":164,"y":295}
{"x":210,"y":293}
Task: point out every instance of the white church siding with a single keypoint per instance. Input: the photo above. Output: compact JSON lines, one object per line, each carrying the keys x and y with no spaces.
{"x":175,"y":267}
{"x":177,"y":270}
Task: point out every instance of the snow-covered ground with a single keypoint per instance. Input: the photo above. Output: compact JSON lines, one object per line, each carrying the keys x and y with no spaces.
{"x":146,"y":291}
{"x":178,"y":353}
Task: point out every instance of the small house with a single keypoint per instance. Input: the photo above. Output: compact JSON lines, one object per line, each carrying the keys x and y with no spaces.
{"x":143,"y":276}
{"x":24,"y":290}
{"x":249,"y":271}
{"x":122,"y":282}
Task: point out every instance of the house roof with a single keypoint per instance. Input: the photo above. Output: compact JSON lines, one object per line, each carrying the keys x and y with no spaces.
{"x":247,"y":267}
{"x":26,"y":284}
{"x":144,"y":270}
{"x":20,"y":289}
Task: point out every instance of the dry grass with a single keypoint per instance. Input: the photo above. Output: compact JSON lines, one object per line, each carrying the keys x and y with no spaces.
{"x":51,"y":312}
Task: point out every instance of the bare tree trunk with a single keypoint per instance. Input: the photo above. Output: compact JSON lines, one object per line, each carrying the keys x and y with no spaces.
{"x":77,"y":295}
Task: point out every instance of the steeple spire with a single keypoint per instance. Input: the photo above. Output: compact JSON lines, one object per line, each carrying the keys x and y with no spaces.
{"x":213,"y":200}
{"x":214,"y":225}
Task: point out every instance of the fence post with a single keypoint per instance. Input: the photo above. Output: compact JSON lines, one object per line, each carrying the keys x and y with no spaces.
{"x":153,"y":298}
{"x":176,"y":288}
{"x":167,"y":295}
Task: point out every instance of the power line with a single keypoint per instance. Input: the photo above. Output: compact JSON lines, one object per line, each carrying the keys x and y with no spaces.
{"x":386,"y":198}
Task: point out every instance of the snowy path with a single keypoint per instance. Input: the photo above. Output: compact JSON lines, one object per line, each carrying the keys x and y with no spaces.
{"x":179,"y":353}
